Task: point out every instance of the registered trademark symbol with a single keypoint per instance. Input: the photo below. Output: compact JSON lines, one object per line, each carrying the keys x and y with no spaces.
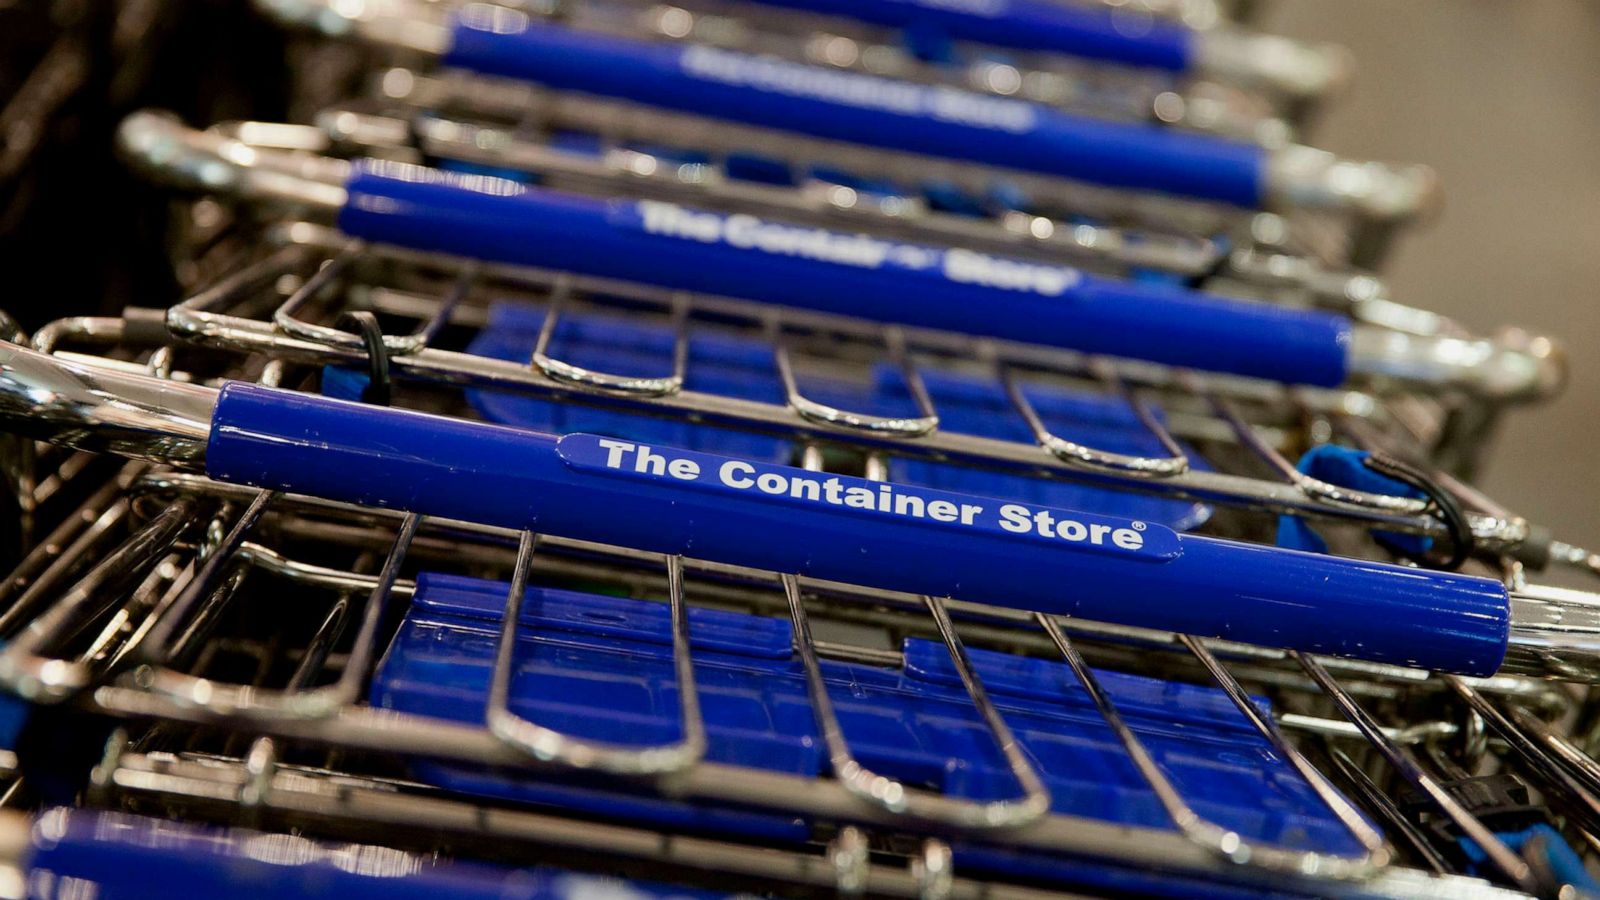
{"x":1138,"y":526}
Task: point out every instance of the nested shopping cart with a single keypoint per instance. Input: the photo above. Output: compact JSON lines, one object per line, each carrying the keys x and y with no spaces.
{"x":625,"y":72}
{"x":598,"y":492}
{"x":763,"y":246}
{"x":364,"y":616}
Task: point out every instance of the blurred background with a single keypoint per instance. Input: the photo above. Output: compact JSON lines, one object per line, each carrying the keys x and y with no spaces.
{"x":1503,"y":99}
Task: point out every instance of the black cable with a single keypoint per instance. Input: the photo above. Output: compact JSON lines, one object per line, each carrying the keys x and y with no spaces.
{"x":380,"y":387}
{"x":1450,"y":511}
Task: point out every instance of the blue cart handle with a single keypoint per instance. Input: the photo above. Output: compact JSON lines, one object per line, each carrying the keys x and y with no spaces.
{"x":839,"y":528}
{"x":906,"y":116}
{"x":743,"y":513}
{"x":857,"y":275}
{"x":1101,"y":32}
{"x":862,"y":109}
{"x":121,"y":856}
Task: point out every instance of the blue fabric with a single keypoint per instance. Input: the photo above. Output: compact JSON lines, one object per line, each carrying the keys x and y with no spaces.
{"x":1563,"y":860}
{"x":1346,"y":467}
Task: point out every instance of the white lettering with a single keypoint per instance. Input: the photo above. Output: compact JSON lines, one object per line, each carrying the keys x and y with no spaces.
{"x":645,"y":461}
{"x":1072,"y":531}
{"x":1014,"y":518}
{"x":858,"y":498}
{"x":731,"y":471}
{"x":970,"y":267}
{"x":863,"y":91}
{"x":1127,"y":539}
{"x":879,"y":497}
{"x":617,"y":449}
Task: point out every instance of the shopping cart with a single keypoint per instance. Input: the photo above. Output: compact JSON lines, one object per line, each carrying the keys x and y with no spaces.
{"x":1453,"y":384}
{"x":185,"y":622}
{"x":204,"y":638}
{"x":1116,"y":59}
{"x":514,"y":64}
{"x":537,"y":548}
{"x":831,"y":195}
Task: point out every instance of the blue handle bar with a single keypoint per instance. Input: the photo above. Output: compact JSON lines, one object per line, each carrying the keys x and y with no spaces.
{"x":864,"y":109}
{"x":918,"y":540}
{"x":1024,"y":25}
{"x":119,"y":856}
{"x":846,"y":274}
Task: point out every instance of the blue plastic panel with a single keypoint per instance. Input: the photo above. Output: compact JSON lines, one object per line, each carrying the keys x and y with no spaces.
{"x":600,"y":667}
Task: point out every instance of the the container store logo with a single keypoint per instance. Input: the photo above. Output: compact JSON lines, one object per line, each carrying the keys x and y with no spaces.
{"x":861,"y":251}
{"x":760,"y":482}
{"x":861,"y":91}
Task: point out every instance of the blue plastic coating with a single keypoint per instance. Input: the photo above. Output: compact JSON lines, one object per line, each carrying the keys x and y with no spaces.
{"x":846,"y":274}
{"x":1083,"y":31}
{"x":714,"y":508}
{"x":600,"y":667}
{"x":863,"y":109}
{"x":118,"y":856}
{"x":1346,"y":467}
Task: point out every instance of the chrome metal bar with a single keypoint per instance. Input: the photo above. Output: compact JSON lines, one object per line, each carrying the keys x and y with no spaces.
{"x":1332,"y":494}
{"x":251,"y":702}
{"x":25,"y":671}
{"x":1566,"y":788}
{"x":564,"y":750}
{"x":158,"y":645}
{"x":1502,"y":857}
{"x":1379,"y":800}
{"x":1227,"y":843}
{"x":926,"y":420}
{"x":1377,"y":850}
{"x":885,"y":792}
{"x":1175,"y":463}
{"x":648,"y":386}
{"x":337,"y":271}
